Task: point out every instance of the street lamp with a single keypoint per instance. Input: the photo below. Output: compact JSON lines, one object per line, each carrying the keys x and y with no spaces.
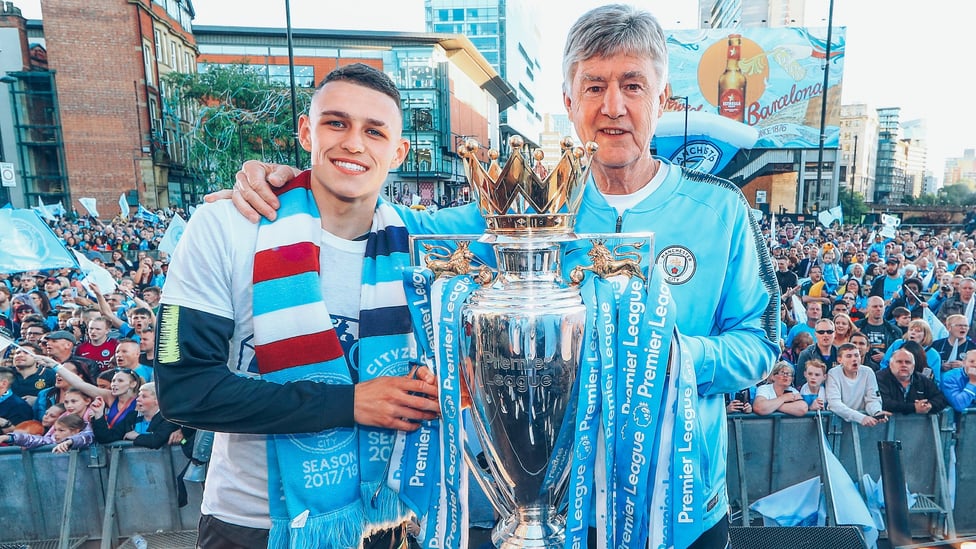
{"x":684,"y":145}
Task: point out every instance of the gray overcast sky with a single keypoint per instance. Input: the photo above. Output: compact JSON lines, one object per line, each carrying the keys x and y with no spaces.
{"x":898,"y":54}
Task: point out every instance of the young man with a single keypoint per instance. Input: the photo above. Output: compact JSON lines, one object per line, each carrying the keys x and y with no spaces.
{"x":31,"y":378}
{"x":615,"y":67}
{"x":852,"y":389}
{"x":290,"y":339}
{"x":98,"y":347}
{"x":881,"y":334}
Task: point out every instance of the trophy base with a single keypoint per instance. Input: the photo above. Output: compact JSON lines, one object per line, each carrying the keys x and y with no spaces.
{"x":530,"y":529}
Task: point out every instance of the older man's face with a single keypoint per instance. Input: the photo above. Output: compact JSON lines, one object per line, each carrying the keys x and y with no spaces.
{"x":902,"y":365}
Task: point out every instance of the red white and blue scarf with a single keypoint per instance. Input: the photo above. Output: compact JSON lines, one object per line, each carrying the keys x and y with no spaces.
{"x":324,"y":488}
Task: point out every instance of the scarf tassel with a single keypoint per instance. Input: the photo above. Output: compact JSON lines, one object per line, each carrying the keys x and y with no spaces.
{"x":383,"y":506}
{"x":340,"y":529}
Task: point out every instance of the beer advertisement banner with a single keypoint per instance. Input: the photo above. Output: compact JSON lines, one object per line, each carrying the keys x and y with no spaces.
{"x":767,"y":81}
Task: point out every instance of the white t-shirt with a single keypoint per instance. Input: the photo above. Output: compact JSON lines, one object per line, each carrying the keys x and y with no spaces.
{"x":237,"y":481}
{"x":768,"y":391}
{"x":623,"y":202}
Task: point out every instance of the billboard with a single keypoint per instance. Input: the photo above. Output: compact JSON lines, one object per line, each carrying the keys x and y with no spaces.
{"x":767,"y":79}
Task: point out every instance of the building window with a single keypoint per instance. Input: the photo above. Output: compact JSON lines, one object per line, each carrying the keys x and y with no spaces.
{"x":157,"y":43}
{"x":173,"y":58}
{"x":304,"y":75}
{"x":147,"y":59}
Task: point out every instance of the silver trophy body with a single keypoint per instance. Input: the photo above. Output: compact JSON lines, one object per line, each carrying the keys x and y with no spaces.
{"x":521,"y":343}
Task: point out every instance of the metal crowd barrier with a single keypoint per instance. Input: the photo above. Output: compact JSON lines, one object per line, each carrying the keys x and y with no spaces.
{"x":119,"y":491}
{"x":104,"y":493}
{"x":768,"y":454}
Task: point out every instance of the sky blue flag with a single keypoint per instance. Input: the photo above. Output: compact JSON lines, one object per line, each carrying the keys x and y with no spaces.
{"x":28,"y":244}
{"x":172,"y":235}
{"x":146,"y":215}
{"x":123,"y":206}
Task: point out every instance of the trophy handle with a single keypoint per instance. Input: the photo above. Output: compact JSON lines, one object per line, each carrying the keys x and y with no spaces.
{"x":486,"y":481}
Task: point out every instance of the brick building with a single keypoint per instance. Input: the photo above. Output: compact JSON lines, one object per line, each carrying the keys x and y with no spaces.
{"x":110,"y":130}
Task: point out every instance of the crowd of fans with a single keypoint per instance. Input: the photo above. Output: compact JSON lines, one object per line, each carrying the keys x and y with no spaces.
{"x":872,"y":324}
{"x":80,"y":370}
{"x":857,"y":332}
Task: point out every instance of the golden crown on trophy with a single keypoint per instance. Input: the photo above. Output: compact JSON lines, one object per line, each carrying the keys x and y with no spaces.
{"x":525,"y":198}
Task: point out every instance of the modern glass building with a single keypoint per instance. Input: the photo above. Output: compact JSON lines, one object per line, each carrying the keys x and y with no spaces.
{"x":506,"y":32}
{"x":449,"y":90}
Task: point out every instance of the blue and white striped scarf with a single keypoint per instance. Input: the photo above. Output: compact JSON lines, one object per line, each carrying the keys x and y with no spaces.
{"x":324,"y":488}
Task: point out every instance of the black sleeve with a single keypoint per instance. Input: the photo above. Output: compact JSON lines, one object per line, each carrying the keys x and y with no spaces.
{"x":196,"y":388}
{"x":105,"y":434}
{"x":877,"y":287}
{"x":158,"y":435}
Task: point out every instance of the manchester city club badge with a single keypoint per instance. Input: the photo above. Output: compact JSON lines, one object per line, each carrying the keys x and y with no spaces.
{"x":678,"y":264}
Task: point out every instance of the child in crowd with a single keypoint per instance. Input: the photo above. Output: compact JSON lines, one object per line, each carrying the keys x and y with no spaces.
{"x":832,"y":272}
{"x":68,"y":432}
{"x":813,"y":392}
{"x":51,"y":415}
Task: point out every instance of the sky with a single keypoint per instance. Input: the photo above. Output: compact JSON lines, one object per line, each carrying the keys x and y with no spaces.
{"x":899,"y":53}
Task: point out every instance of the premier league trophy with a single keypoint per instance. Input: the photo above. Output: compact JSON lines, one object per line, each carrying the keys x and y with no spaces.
{"x":522,"y":339}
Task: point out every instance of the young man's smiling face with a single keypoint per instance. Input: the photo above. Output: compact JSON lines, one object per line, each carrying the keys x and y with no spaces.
{"x":354,"y":136}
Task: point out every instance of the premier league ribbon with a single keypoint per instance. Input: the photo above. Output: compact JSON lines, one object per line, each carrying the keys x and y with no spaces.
{"x":587,"y":425}
{"x":646,"y":325}
{"x":686,"y":513}
{"x":413,"y":472}
{"x":449,"y":509}
{"x":427,"y":466}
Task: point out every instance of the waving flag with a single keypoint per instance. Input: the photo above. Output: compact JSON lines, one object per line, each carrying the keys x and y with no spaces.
{"x":89,"y":204}
{"x":94,"y":273}
{"x":890,"y":223}
{"x":827,"y":217}
{"x":123,"y":206}
{"x":146,"y":215}
{"x":28,"y":244}
{"x":43,"y":210}
{"x":939,"y":330}
{"x":707,"y":143}
{"x":172,"y":235}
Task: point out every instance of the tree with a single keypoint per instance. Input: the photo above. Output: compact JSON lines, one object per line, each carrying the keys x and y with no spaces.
{"x":853,"y":206}
{"x":958,"y":195}
{"x":238,"y":115}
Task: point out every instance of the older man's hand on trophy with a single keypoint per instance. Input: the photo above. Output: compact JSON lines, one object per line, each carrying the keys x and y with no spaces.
{"x":395,"y":402}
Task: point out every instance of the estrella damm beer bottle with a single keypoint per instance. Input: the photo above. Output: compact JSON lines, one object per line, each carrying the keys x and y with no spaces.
{"x":732,"y":83}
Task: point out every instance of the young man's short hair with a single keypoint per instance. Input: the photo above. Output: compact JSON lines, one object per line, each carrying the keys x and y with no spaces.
{"x":366,"y":76}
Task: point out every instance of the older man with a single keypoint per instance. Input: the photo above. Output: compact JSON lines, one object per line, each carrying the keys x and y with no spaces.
{"x":905,"y":392}
{"x":959,"y":385}
{"x":960,"y":303}
{"x":60,"y":345}
{"x":954,"y":348}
